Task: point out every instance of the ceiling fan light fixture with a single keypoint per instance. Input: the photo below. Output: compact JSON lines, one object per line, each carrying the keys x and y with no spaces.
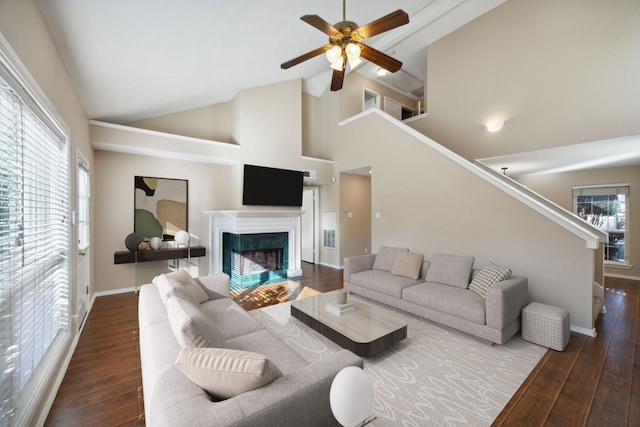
{"x":353,"y":54}
{"x":334,"y":54}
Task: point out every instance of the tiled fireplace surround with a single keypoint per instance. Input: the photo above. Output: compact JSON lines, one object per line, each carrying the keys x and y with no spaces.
{"x":242,"y":228}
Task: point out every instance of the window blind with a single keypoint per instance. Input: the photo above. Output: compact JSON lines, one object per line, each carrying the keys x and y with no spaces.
{"x":34,"y":232}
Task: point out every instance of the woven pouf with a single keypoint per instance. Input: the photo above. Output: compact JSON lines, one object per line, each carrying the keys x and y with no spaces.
{"x":546,"y":325}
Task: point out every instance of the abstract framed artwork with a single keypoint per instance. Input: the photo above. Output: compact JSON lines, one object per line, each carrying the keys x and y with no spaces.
{"x":161,"y":206}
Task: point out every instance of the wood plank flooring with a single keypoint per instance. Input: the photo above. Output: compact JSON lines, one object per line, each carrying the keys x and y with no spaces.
{"x":594,"y":382}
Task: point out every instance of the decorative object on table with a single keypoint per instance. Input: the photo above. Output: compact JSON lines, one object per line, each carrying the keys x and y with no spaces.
{"x":351,"y":397}
{"x":182,"y":238}
{"x":161,"y":206}
{"x":338,"y":309}
{"x":155,"y":243}
{"x":341,"y":296}
{"x":142,"y":246}
{"x":133,"y":240}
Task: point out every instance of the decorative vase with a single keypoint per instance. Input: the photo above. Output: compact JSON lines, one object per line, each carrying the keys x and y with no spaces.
{"x":155,"y":242}
{"x":182,"y":238}
{"x":133,"y":240}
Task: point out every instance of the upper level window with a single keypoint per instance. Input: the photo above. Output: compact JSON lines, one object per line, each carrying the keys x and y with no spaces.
{"x":606,"y":207}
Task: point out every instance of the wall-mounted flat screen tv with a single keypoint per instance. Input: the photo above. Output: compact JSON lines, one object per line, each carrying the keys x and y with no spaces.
{"x":265,"y":186}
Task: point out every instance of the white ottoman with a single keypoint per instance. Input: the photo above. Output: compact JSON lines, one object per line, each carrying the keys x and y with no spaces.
{"x":546,"y":325}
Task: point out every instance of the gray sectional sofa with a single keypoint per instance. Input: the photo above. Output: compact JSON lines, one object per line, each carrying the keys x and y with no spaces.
{"x":171,"y":318}
{"x":485,"y":302}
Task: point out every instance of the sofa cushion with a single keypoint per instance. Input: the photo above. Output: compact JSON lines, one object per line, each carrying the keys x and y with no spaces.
{"x":231,"y":319}
{"x":447,"y":299}
{"x":386,"y":257}
{"x":192,"y":286}
{"x":383,"y":282}
{"x":488,"y":276}
{"x":452,"y":270}
{"x":407,"y":264}
{"x":191,"y":327}
{"x":266,"y":342}
{"x":225,"y":373}
{"x":168,"y":287}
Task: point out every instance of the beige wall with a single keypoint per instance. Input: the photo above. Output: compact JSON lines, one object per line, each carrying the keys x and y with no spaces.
{"x":24,"y":28}
{"x":355,"y":215}
{"x":431,"y":204}
{"x":115,"y":174}
{"x":212,"y":122}
{"x":557,"y":188}
{"x":558,"y":73}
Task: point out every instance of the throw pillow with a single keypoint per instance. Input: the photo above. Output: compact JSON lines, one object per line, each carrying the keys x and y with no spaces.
{"x":183,"y":278}
{"x":407,"y":264}
{"x":190,"y":326}
{"x":488,"y":276}
{"x":452,"y":270}
{"x":386,"y":257}
{"x":168,"y":288}
{"x":225,"y":373}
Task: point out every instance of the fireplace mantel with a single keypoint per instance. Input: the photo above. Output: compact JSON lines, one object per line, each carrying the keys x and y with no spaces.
{"x":254,"y":222}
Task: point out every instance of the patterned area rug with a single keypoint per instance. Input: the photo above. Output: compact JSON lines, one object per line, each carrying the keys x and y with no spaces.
{"x":436,"y":376}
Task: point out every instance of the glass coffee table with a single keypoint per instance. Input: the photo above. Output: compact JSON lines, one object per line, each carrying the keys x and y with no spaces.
{"x":365,"y":330}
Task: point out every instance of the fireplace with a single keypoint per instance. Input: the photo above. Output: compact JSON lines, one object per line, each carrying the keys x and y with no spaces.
{"x":252,"y":223}
{"x":254,"y":259}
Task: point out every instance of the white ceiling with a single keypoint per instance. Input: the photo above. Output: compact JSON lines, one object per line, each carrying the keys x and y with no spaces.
{"x":615,"y":152}
{"x":135,"y":59}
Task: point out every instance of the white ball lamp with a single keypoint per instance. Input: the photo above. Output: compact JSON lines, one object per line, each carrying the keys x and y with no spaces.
{"x":351,"y":397}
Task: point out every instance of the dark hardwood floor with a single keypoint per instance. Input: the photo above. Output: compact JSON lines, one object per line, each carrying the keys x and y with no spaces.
{"x":594,"y":382}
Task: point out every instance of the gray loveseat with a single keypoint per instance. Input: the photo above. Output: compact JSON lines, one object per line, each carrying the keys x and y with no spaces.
{"x":300,"y":396}
{"x":440,"y":290}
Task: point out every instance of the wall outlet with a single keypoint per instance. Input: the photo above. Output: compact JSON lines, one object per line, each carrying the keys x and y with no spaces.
{"x":366,"y":250}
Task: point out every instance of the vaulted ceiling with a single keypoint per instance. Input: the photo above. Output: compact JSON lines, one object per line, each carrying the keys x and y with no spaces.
{"x":134,"y":59}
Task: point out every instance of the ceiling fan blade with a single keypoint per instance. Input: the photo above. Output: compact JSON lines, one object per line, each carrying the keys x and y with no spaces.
{"x":380,"y":59}
{"x":322,"y":25}
{"x":302,"y":58}
{"x":337,"y":79}
{"x":386,"y":23}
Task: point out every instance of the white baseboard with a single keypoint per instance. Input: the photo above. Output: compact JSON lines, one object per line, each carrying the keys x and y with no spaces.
{"x":114,"y":292}
{"x":337,"y":267}
{"x":583,"y":331}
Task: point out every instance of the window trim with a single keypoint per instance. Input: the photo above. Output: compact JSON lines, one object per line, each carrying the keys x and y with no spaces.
{"x":620,"y":188}
{"x":50,"y":371}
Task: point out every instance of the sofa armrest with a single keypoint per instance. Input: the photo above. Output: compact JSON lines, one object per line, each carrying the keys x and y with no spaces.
{"x":505,"y":301}
{"x":300,"y":398}
{"x":216,"y":285}
{"x":356,"y":264}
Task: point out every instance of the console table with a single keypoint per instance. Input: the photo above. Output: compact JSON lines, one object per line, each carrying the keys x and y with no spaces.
{"x":129,"y":257}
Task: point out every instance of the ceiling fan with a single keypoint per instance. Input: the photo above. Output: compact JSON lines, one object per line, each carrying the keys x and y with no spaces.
{"x":345,"y":43}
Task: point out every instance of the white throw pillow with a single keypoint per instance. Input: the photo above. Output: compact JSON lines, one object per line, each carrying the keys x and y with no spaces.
{"x":488,"y":276}
{"x":168,"y":288}
{"x":183,"y":278}
{"x":190,"y":326}
{"x":407,"y":264}
{"x":225,"y":373}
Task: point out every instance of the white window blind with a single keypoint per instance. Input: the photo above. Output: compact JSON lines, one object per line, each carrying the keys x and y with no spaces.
{"x":34,"y":236}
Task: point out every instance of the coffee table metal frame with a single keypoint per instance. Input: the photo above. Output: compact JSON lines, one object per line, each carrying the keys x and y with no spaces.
{"x":365,"y":330}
